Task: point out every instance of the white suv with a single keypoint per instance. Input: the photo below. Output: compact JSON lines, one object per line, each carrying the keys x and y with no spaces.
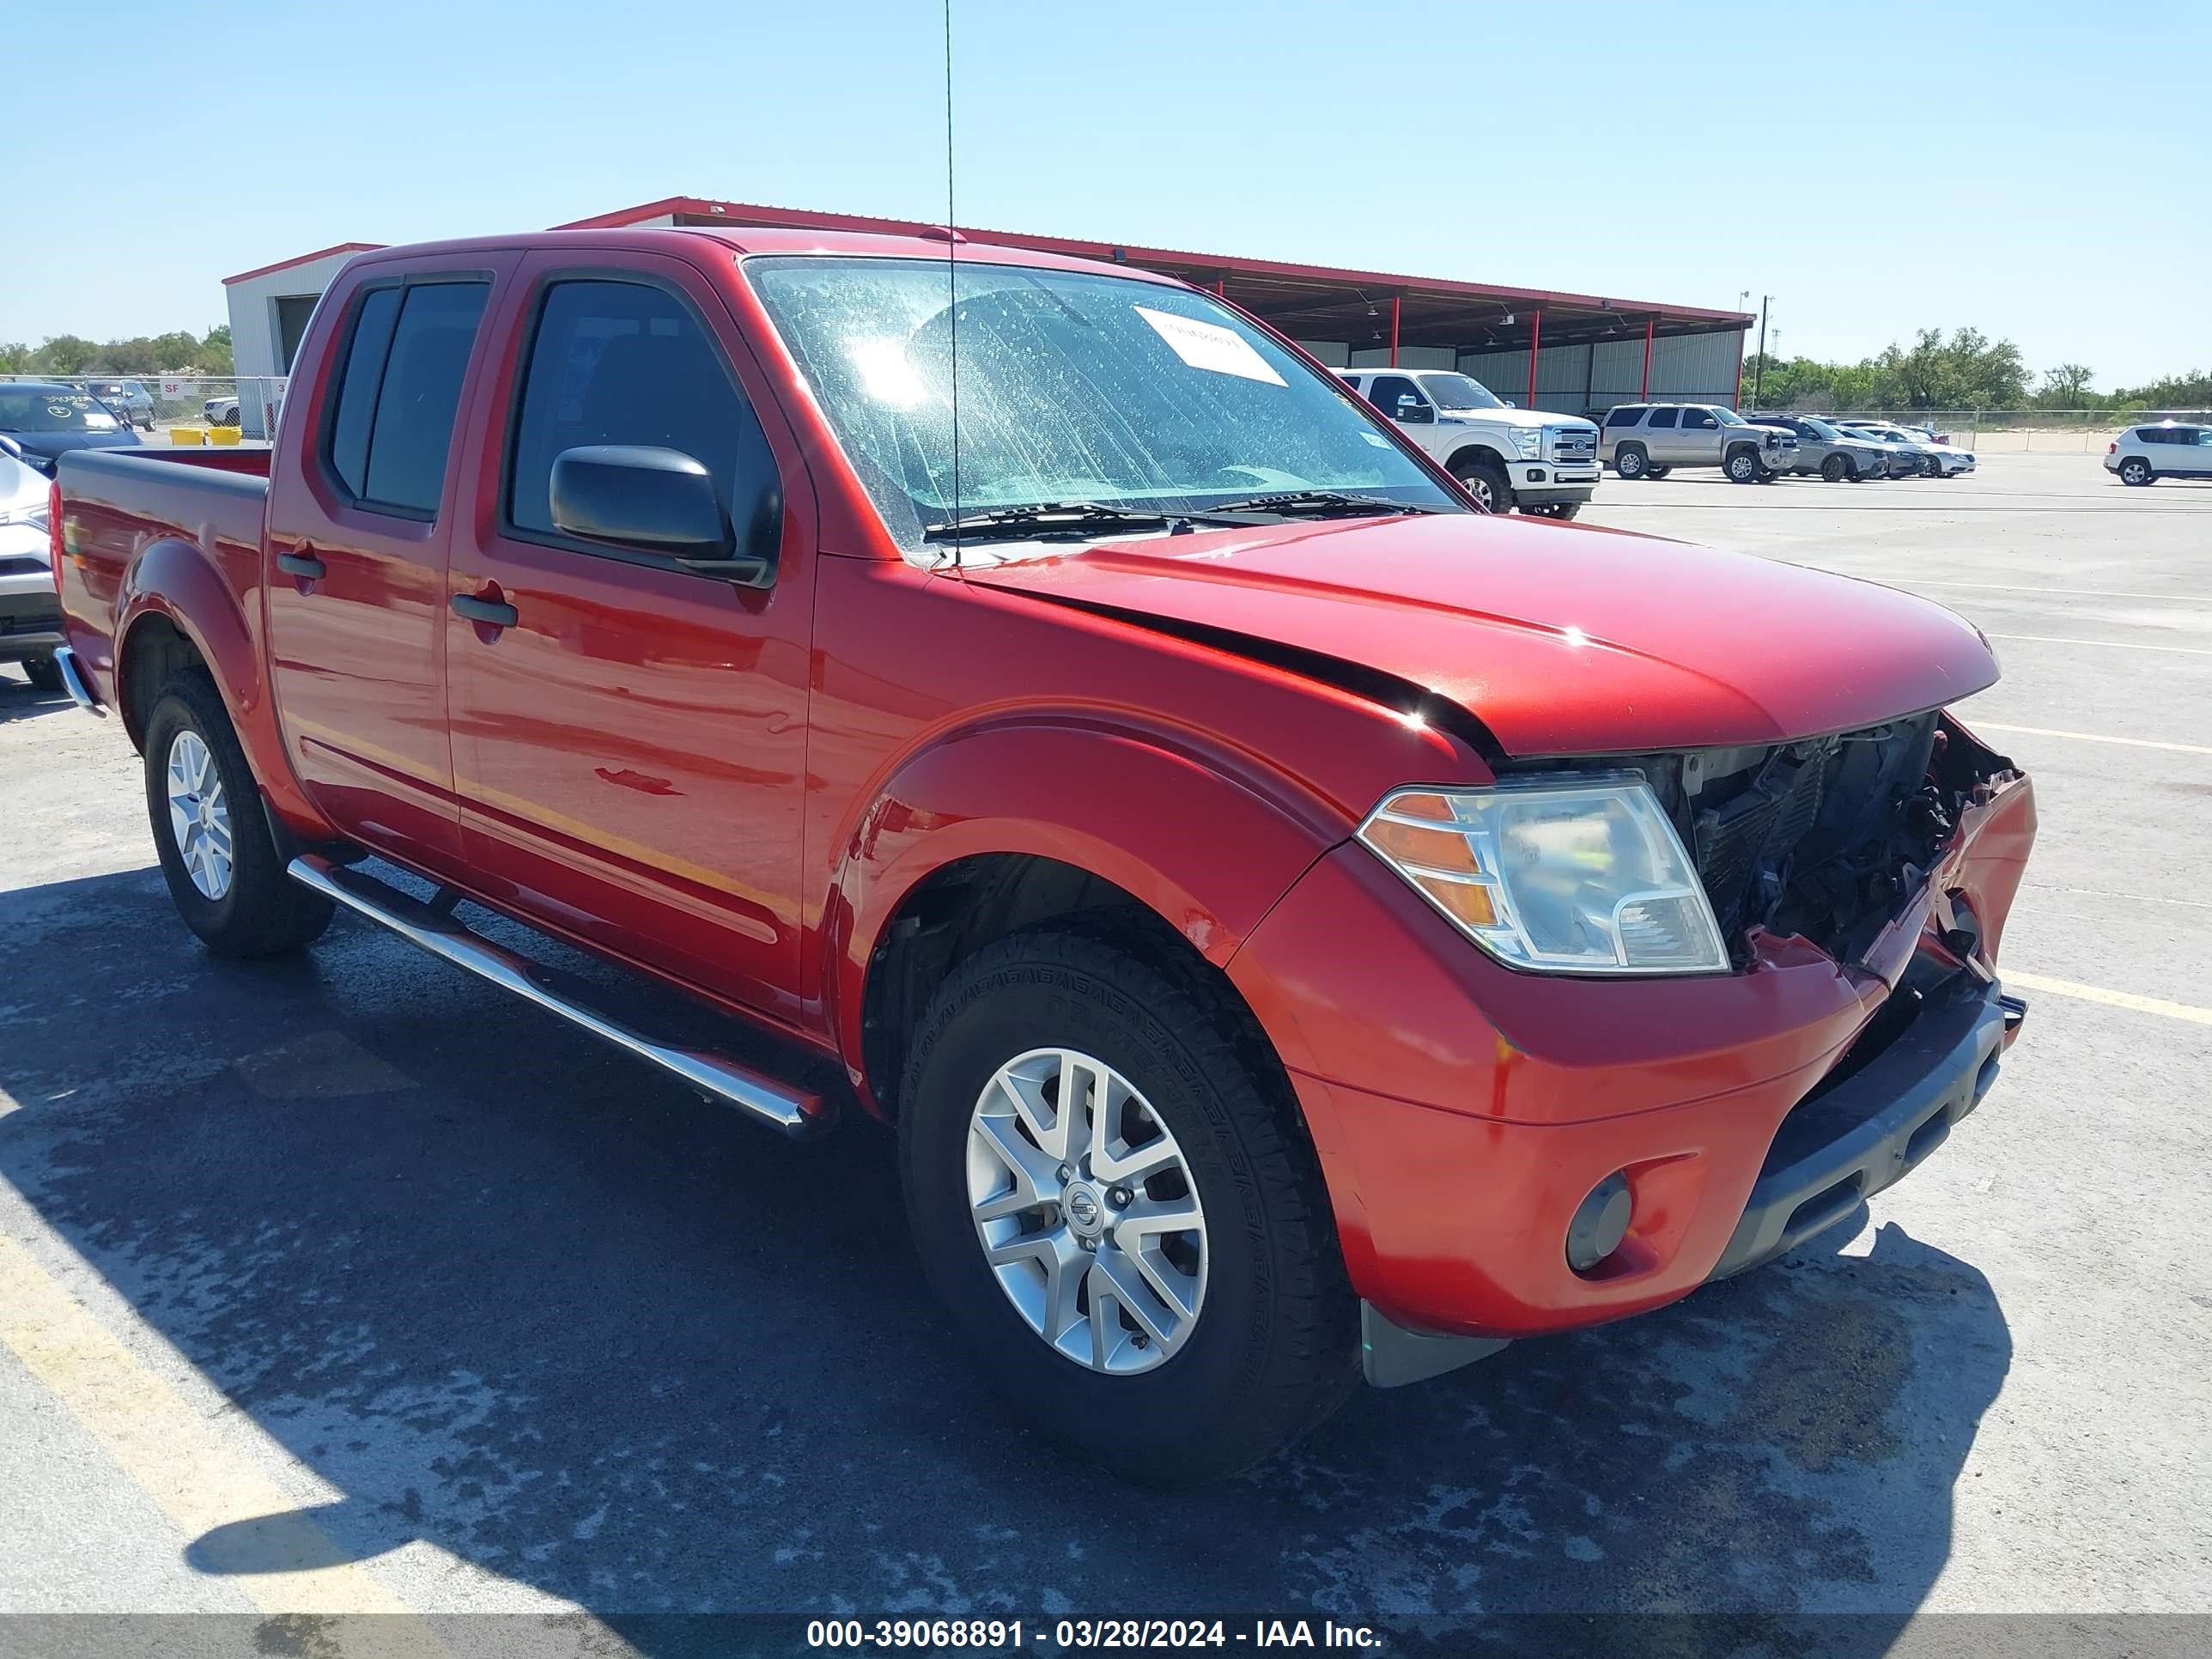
{"x":1545,"y":465}
{"x":2170,"y":449}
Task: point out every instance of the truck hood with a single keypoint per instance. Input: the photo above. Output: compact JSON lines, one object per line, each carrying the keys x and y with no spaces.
{"x":1560,"y":640}
{"x":1514,"y":417}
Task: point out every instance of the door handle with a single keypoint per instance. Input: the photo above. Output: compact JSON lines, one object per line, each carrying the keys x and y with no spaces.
{"x":490,"y":612}
{"x":305,"y":565}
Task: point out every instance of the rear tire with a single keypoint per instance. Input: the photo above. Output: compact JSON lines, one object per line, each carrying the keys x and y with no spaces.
{"x":1485,"y":481}
{"x":1630,"y":462}
{"x":2136,"y":470}
{"x":44,"y":673}
{"x":224,"y":870}
{"x":1271,"y":1347}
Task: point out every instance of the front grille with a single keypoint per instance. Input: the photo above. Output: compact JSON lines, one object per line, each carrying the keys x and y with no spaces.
{"x":1571,"y":444}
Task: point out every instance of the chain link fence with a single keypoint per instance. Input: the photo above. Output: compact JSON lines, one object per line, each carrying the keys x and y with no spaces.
{"x":184,"y":409}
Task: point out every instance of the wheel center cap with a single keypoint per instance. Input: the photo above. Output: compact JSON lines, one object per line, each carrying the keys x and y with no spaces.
{"x":1085,"y":1210}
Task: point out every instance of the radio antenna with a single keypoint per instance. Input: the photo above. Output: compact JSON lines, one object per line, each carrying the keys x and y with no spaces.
{"x":952,"y":281}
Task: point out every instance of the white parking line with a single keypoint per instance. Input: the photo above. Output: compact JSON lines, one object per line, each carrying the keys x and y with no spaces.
{"x":2067,"y":988}
{"x":2095,"y":737}
{"x":2109,"y":644}
{"x":2033,"y":587}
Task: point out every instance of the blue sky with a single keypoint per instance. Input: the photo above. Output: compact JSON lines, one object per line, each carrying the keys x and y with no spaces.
{"x":2027,"y":170}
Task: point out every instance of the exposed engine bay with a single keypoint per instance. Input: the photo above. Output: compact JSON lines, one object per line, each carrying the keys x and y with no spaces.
{"x":1825,"y":838}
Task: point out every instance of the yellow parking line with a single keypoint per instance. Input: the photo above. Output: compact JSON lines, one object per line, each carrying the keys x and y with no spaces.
{"x":2067,"y":988}
{"x":200,"y":1479}
{"x":2109,"y":644}
{"x":2095,"y":737}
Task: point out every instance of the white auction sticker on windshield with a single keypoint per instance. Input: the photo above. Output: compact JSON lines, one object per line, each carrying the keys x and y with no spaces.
{"x":1210,"y":346}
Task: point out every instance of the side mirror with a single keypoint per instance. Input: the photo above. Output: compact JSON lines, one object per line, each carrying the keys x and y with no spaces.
{"x":665,"y":500}
{"x":1413,"y":412}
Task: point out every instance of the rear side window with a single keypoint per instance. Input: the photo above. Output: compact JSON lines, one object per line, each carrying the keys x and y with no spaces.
{"x":626,"y":363}
{"x":1628,"y":416}
{"x":2150,"y":434}
{"x":393,"y":425}
{"x":1663,"y":418}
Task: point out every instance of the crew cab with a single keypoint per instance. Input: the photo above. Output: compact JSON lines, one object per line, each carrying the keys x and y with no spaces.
{"x":1296,"y":922}
{"x":1545,"y":465}
{"x":1650,"y":441}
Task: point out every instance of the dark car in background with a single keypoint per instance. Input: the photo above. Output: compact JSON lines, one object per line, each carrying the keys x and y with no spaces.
{"x":128,"y":398}
{"x":48,"y":419}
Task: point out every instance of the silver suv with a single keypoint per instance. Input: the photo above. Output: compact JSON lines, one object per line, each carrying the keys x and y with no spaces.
{"x":1650,"y":441}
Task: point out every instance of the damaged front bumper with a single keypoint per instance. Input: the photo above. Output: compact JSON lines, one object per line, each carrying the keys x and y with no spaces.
{"x":1745,"y":1113}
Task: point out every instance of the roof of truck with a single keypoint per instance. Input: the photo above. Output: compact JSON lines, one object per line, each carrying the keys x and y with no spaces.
{"x":750,"y":239}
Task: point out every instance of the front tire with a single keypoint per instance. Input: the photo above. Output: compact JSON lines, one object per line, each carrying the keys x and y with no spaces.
{"x":2136,"y":471}
{"x":1836,"y":469}
{"x":225,"y":873}
{"x":1063,"y":1086}
{"x":1742,"y":466}
{"x":1486,"y":482}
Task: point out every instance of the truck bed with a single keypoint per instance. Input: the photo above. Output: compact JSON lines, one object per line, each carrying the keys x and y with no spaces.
{"x":117,"y":502}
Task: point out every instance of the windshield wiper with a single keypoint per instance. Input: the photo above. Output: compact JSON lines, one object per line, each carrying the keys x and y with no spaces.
{"x":1059,"y":521}
{"x":1319,"y":504}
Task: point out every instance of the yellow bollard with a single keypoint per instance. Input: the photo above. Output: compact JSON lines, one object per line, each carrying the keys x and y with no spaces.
{"x":187,"y":435}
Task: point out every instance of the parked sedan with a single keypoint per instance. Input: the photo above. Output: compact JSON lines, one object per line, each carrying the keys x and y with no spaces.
{"x":1930,"y":460}
{"x":1833,"y":454}
{"x":47,"y":419}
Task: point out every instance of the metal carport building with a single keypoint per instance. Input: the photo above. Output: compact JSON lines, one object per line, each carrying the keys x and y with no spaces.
{"x":1574,"y":352}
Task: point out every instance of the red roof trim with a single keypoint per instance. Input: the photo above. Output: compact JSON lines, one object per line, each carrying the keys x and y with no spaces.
{"x":747,"y":213}
{"x":302,"y":260}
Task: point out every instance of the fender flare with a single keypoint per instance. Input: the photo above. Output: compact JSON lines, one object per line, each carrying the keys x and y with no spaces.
{"x":1207,"y":838}
{"x":1482,"y":448}
{"x":175,"y":579}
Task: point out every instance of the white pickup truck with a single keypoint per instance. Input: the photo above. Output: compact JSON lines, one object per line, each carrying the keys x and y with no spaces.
{"x":1545,"y":465}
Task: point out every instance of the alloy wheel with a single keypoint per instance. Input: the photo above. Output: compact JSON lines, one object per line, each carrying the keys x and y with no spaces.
{"x":1087,"y":1211}
{"x":199,"y":815}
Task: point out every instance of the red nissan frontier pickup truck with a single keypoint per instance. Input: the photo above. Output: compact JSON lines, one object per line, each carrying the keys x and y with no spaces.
{"x":1296,"y":922}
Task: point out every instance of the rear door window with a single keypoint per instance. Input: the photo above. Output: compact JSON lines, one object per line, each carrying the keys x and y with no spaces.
{"x":1663,"y":418}
{"x":392,"y":427}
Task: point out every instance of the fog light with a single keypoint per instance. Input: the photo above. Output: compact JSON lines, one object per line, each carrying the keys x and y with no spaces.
{"x":1600,"y":1223}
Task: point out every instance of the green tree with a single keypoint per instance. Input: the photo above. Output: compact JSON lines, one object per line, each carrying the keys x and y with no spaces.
{"x":2066,"y":386}
{"x":14,"y":357}
{"x":2190,"y":391}
{"x":215,"y":350}
{"x":65,"y":354}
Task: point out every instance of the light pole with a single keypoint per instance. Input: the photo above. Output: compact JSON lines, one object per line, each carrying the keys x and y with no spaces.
{"x":1759,"y":369}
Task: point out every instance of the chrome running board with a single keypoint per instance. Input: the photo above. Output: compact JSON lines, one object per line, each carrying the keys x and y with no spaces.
{"x":432,"y":928}
{"x":73,"y":682}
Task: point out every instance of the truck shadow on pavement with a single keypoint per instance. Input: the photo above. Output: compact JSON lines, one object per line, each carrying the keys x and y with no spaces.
{"x":513,"y":1295}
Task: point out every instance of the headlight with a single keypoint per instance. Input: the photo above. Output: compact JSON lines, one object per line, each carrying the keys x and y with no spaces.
{"x":1576,"y":874}
{"x":1529,"y":440}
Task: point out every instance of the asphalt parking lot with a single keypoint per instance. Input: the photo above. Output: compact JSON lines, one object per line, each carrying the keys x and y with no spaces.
{"x":345,"y":1284}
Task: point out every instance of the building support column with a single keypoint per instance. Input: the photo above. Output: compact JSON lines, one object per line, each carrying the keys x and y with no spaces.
{"x":1651,"y":326}
{"x":1394,"y":331}
{"x":1535,"y":342}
